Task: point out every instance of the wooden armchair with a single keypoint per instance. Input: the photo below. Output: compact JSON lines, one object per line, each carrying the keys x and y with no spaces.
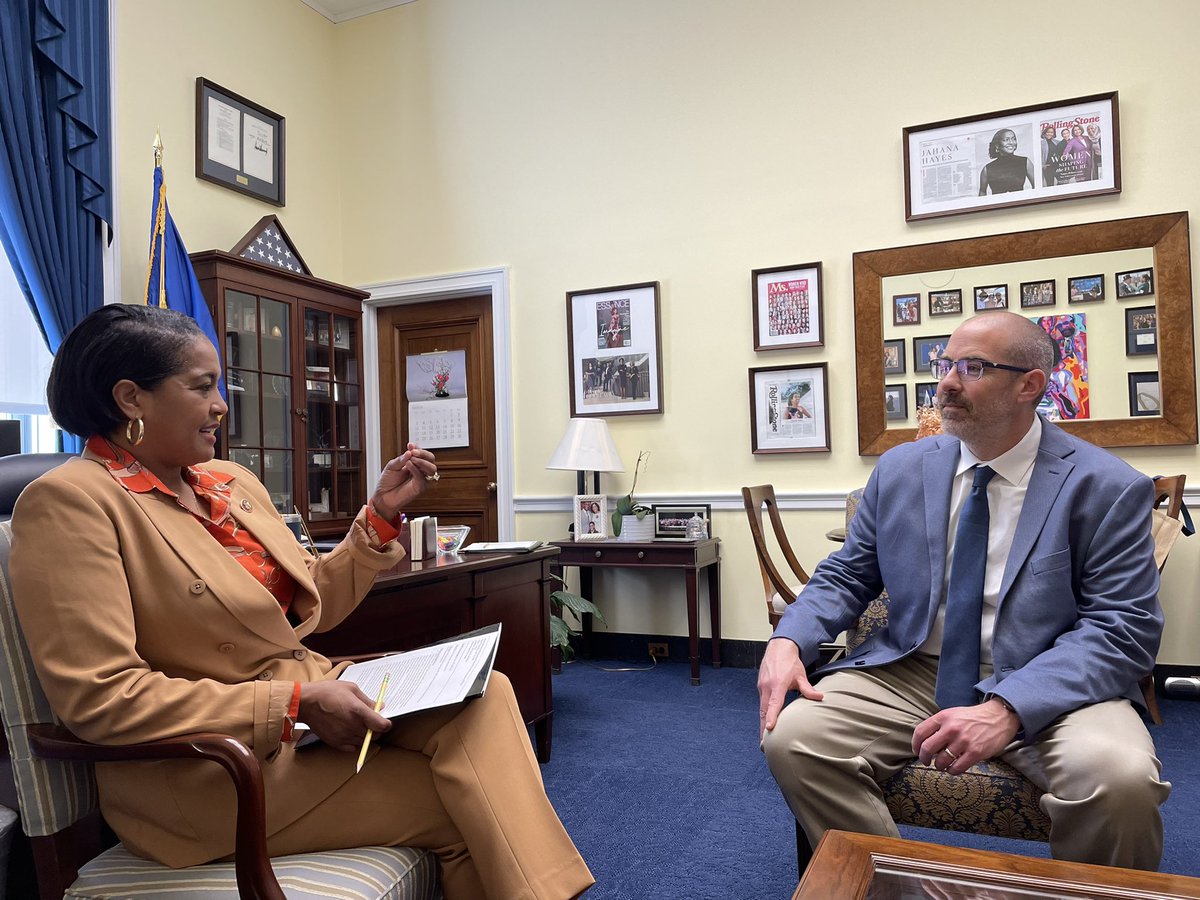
{"x":991,"y":797}
{"x":59,"y":810}
{"x":778,"y":591}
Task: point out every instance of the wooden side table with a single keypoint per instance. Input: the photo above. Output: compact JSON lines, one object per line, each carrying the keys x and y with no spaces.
{"x":688,"y":556}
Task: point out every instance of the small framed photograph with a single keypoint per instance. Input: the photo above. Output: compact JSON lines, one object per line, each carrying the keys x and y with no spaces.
{"x":1038,"y":293}
{"x":925,"y":393}
{"x":906,"y":309}
{"x":451,"y":537}
{"x":239,"y":144}
{"x":1141,"y":330}
{"x":1135,"y":283}
{"x":591,"y":517}
{"x":1085,"y":288}
{"x":614,"y":351}
{"x":671,"y":521}
{"x":341,"y":333}
{"x":895,"y":401}
{"x":1014,"y":157}
{"x":926,"y":350}
{"x":945,"y":303}
{"x":893,"y":357}
{"x":991,"y":296}
{"x":789,"y":409}
{"x":1145,"y":395}
{"x":788,"y":307}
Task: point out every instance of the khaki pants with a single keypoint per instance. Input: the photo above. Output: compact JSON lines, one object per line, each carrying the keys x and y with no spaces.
{"x":462,"y":782}
{"x":1096,"y":764}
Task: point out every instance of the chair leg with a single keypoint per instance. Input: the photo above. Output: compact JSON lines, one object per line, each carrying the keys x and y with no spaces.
{"x":1149,"y":694}
{"x":804,"y":851}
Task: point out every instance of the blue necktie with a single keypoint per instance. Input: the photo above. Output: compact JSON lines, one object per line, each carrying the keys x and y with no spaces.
{"x":958,"y":668}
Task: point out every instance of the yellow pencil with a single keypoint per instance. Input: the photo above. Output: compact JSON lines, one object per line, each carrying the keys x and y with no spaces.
{"x":362,"y":754}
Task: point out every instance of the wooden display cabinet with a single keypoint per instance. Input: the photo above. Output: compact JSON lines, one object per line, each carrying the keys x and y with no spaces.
{"x":293,"y":370}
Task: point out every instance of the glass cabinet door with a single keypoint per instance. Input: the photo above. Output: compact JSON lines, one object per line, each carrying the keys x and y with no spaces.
{"x":258,"y":378}
{"x":334,"y":414}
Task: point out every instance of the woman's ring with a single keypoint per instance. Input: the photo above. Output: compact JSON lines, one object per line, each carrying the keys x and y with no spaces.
{"x":434,"y":477}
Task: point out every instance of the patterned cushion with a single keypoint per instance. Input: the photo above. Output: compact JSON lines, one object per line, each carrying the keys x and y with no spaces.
{"x":991,"y":797}
{"x":370,"y":873}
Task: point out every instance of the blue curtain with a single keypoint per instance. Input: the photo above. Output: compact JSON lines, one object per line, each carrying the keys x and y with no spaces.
{"x":55,"y":156}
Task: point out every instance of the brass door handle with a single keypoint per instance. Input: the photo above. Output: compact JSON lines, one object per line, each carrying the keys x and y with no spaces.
{"x":491,"y":487}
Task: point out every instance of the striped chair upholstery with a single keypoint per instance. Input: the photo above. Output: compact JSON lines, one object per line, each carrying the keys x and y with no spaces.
{"x":55,"y":795}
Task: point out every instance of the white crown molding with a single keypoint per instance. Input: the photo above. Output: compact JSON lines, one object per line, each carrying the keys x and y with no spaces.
{"x":344,"y":10}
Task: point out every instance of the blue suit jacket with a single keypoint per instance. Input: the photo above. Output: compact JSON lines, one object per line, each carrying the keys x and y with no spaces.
{"x":1078,"y":619}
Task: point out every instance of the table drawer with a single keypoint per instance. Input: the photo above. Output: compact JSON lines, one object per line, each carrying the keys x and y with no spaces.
{"x":613,"y":555}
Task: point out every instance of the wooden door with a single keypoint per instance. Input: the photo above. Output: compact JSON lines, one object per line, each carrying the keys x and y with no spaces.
{"x":466,"y":493}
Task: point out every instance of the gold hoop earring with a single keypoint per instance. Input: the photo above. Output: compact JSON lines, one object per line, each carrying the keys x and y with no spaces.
{"x":141,"y":431}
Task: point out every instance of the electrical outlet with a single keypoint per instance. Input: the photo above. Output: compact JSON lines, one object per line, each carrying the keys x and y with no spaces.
{"x":658,"y":651}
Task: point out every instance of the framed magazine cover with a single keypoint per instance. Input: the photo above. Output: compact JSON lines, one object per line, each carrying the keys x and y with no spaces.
{"x":788,"y":307}
{"x":789,"y":409}
{"x":614,"y":349}
{"x":1015,"y":157}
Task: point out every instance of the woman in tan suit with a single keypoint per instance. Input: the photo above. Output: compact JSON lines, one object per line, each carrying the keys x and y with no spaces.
{"x":161,"y":594}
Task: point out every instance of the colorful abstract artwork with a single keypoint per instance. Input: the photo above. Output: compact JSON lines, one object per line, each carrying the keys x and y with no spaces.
{"x":1067,"y":394}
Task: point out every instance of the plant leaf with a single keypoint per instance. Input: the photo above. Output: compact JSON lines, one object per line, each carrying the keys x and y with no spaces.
{"x":625,"y":505}
{"x":576,"y":604}
{"x":616,"y":523}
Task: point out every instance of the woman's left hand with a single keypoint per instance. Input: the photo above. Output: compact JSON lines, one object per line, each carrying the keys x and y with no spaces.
{"x":402,"y":481}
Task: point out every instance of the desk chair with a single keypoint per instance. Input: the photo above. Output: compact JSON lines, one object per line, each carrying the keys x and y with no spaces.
{"x":777,"y":590}
{"x":991,"y":797}
{"x":1168,"y":489}
{"x":18,"y":470}
{"x":59,"y":810}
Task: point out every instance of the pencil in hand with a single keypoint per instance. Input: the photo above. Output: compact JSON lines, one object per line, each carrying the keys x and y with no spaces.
{"x":362,"y":754}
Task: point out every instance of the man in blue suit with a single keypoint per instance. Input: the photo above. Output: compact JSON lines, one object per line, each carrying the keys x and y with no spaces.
{"x":1069,"y":619}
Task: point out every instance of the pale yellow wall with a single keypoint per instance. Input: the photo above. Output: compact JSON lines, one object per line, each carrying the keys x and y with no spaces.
{"x":277,"y":53}
{"x":588,"y":144}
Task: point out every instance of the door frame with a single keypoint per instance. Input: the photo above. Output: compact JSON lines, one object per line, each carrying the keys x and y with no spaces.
{"x":491,"y":282}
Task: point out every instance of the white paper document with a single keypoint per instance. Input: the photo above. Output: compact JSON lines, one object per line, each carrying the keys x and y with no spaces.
{"x":438,"y":675}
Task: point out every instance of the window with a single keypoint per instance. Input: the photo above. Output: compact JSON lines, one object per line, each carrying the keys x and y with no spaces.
{"x":24,"y":368}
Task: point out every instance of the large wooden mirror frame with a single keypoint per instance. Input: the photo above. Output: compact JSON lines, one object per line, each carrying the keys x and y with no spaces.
{"x":1166,"y":234}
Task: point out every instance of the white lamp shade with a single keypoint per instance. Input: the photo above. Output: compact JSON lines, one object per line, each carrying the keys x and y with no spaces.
{"x":587,"y":446}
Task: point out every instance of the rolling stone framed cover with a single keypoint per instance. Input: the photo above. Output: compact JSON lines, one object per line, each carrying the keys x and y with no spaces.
{"x":788,"y":307}
{"x":789,"y":409}
{"x":1031,"y":154}
{"x":614,"y":349}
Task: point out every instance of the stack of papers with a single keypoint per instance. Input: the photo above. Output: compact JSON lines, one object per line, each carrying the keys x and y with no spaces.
{"x":501,"y":547}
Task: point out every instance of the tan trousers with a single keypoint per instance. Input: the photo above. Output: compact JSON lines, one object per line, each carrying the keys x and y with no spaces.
{"x":462,"y":782}
{"x":1096,"y":764}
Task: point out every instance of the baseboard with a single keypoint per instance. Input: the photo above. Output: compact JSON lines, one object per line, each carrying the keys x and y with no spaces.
{"x":614,"y":645}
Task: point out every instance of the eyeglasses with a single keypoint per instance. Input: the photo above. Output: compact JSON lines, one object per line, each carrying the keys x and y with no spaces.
{"x":968,"y":369}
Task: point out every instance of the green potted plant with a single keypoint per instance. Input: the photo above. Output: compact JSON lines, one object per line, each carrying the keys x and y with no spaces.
{"x":629,"y":513}
{"x":560,"y":631}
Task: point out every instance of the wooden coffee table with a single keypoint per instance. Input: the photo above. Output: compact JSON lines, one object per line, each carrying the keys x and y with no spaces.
{"x":865,"y":867}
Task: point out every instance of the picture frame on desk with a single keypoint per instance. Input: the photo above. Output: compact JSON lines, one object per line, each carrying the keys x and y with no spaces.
{"x":591,"y":517}
{"x":670,"y":520}
{"x":239,"y":143}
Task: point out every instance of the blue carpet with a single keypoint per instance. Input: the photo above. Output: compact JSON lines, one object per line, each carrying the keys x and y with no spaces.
{"x":663,"y":789}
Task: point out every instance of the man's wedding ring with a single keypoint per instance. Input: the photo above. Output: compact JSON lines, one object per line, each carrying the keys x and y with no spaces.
{"x":950,"y":753}
{"x":434,"y":477}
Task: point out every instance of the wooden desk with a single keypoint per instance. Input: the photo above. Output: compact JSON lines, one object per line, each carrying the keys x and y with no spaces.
{"x":687,"y":556}
{"x":417,"y":603}
{"x":861,"y":865}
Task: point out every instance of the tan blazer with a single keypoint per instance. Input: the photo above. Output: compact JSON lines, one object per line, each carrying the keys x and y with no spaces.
{"x":142,"y":626}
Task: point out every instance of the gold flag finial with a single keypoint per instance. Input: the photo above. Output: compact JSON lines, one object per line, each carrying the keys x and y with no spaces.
{"x":158,"y":148}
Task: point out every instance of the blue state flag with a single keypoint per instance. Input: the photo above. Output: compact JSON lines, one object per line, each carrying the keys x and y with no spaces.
{"x":170,"y":279}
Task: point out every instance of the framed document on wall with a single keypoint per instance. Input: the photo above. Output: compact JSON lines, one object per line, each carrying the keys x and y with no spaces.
{"x":239,"y":144}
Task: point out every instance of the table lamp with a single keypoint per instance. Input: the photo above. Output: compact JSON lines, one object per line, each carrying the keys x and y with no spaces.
{"x":587,"y":447}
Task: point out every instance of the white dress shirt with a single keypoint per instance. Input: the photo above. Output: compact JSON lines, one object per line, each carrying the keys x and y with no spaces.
{"x":1006,"y":496}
